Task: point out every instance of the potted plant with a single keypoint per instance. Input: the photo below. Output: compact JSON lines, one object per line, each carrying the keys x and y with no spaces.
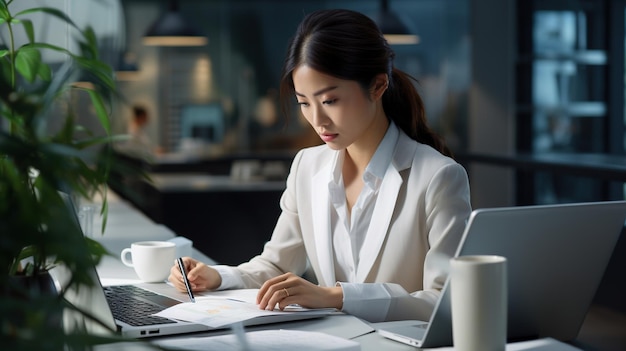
{"x":39,"y":160}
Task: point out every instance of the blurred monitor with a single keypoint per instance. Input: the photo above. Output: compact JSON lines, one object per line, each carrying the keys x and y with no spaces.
{"x":204,"y":122}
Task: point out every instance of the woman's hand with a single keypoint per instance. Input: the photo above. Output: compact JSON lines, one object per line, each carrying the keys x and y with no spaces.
{"x":290,"y":289}
{"x":201,"y":277}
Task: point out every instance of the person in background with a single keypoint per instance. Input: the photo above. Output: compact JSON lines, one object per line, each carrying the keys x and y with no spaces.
{"x":139,"y":143}
{"x":376,"y":211}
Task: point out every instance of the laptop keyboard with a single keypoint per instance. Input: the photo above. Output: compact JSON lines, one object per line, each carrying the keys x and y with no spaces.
{"x":133,"y":305}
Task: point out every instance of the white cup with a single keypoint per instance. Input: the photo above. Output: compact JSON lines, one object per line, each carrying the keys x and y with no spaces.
{"x":151,"y":260}
{"x":478,"y":290}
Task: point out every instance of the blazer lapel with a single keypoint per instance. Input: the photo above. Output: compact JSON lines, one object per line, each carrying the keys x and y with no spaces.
{"x":379,"y":224}
{"x":383,"y":211}
{"x":321,"y":225}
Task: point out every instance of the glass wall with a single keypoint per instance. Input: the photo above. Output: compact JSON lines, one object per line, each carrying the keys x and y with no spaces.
{"x":569,"y":99}
{"x":566,"y":104}
{"x":568,"y":86}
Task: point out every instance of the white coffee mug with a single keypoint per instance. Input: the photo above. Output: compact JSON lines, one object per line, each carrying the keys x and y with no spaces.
{"x":478,"y":290}
{"x":151,"y":260}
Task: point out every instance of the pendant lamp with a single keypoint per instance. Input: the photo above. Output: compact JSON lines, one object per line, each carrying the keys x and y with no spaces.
{"x":127,"y":68}
{"x":171,"y":29}
{"x":394,"y":30}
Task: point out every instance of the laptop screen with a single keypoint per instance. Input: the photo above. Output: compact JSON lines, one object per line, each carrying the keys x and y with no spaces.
{"x":96,"y":317}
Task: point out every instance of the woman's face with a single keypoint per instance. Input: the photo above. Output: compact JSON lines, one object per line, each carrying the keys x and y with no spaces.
{"x":339,"y":110}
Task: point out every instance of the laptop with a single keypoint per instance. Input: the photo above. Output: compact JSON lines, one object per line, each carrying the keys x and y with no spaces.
{"x":556,"y":257}
{"x":128,"y":309}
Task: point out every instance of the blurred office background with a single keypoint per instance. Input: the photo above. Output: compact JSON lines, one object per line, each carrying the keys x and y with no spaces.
{"x":504,"y":82}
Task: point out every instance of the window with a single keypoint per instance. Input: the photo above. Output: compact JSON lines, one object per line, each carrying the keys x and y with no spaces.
{"x":569,"y":105}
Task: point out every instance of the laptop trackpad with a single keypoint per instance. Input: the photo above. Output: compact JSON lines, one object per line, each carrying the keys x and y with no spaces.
{"x":160,"y":300}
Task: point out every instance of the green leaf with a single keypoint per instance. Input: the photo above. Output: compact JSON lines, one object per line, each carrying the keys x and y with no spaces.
{"x":96,"y":249}
{"x":44,"y":72}
{"x":4,"y":12}
{"x":95,"y":66}
{"x":92,"y":43}
{"x":99,"y":141}
{"x":101,"y":111}
{"x":27,"y":62}
{"x":104,"y":212}
{"x":51,"y":11}
{"x":66,"y":133}
{"x":37,"y":45}
{"x":3,"y":53}
{"x":29,"y":29}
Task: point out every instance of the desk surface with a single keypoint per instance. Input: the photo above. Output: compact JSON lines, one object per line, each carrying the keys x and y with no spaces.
{"x":193,"y":182}
{"x":127,"y":225}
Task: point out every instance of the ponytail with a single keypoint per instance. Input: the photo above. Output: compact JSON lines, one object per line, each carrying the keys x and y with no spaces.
{"x":403,"y":104}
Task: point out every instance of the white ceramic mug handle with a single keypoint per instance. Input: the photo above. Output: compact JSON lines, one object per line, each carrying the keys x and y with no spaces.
{"x":124,"y":258}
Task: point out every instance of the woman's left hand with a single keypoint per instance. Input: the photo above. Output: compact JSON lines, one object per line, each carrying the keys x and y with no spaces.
{"x":290,"y":289}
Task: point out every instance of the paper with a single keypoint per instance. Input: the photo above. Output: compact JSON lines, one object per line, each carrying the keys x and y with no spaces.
{"x":544,"y":344}
{"x":267,"y":340}
{"x":247,"y":295}
{"x":220,"y":309}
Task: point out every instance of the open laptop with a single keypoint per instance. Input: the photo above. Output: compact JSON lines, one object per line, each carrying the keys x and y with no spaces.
{"x":128,"y":309}
{"x":556,"y":257}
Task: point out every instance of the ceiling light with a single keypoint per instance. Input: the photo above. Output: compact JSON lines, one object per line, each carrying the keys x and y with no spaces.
{"x":394,"y":30}
{"x":127,"y":68}
{"x":171,"y":29}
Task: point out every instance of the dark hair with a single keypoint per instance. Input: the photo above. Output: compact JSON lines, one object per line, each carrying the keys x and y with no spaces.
{"x":348,"y":45}
{"x":140,"y":114}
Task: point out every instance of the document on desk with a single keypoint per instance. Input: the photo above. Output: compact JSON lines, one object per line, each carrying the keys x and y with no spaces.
{"x":266,"y":340}
{"x":543,"y":344}
{"x":224,"y":308}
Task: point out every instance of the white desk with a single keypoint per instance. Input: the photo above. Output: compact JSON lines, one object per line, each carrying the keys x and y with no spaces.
{"x":189,"y":182}
{"x":127,"y":225}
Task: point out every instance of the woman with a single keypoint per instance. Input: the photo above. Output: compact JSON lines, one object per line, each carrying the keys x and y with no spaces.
{"x":378,"y":210}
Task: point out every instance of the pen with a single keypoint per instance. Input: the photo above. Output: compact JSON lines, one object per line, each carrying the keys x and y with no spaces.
{"x":181,"y":265}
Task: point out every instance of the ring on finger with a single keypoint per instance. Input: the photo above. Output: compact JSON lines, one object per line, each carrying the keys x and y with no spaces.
{"x":286,"y":292}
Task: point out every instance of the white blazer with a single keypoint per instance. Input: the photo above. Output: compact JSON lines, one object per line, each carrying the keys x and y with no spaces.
{"x":420,"y":214}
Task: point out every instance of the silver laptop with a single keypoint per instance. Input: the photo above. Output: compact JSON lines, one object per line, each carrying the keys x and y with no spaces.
{"x":128,"y":309}
{"x":556,"y":257}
